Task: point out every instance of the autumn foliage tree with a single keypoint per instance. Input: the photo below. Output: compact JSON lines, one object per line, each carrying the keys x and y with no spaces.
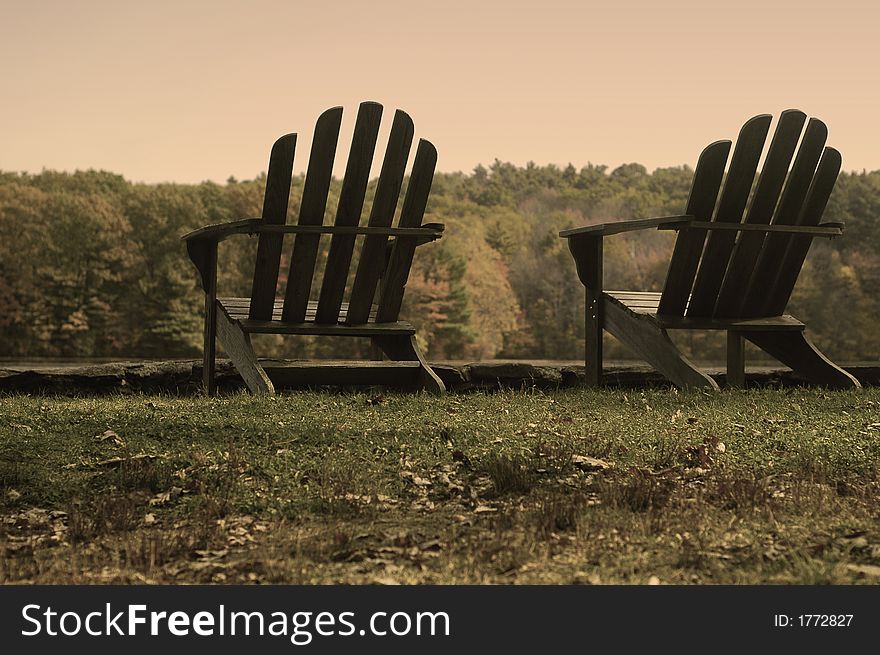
{"x":92,"y":265}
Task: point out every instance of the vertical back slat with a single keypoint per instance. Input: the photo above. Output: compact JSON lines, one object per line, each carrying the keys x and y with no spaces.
{"x":814,"y":206}
{"x":414,"y":203}
{"x":689,"y":244}
{"x":745,"y":254}
{"x":351,"y":202}
{"x":372,"y":259}
{"x":731,"y":205}
{"x":787,"y":213}
{"x":311,"y":212}
{"x":275,"y":213}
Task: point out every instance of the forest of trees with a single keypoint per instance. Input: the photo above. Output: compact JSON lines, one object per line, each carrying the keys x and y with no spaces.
{"x":92,"y":265}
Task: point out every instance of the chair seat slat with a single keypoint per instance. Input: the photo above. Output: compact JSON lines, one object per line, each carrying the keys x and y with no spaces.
{"x":240,"y":307}
{"x":399,"y":328}
{"x":647,"y":304}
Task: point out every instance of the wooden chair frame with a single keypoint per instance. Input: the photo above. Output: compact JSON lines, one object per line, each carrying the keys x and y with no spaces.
{"x":739,"y":278}
{"x":383,"y":266}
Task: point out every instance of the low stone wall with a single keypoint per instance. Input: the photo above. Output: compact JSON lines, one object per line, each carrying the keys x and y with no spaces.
{"x":184,"y":376}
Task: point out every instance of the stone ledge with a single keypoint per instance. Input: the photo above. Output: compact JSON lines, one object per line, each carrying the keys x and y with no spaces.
{"x":184,"y":376}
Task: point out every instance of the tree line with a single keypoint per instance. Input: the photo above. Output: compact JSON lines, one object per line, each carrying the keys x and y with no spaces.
{"x":92,"y":265}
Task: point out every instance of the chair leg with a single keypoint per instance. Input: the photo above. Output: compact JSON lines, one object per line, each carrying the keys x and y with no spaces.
{"x":652,"y":343}
{"x":736,"y":360}
{"x":405,"y":349}
{"x":795,"y":350}
{"x":237,"y":345}
{"x":593,"y":336}
{"x":204,"y":255}
{"x":210,"y":346}
{"x":587,"y":253}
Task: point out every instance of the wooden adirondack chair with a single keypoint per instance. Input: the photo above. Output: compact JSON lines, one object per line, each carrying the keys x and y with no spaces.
{"x":732,"y":269}
{"x":383,"y":265}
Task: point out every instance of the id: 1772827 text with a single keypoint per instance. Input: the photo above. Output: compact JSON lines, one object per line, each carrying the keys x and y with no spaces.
{"x":812,"y":620}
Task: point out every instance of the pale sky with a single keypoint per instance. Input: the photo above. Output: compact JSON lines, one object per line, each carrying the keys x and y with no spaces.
{"x":197,"y":90}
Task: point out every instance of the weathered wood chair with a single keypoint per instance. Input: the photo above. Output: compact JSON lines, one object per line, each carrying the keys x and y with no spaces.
{"x":383,"y":265}
{"x":732,"y":269}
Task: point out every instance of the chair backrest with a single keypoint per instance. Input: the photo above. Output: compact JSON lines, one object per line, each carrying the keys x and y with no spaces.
{"x":729,"y":274}
{"x":372,"y":262}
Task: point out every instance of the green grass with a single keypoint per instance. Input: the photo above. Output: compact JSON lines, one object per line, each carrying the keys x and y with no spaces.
{"x":734,"y":487}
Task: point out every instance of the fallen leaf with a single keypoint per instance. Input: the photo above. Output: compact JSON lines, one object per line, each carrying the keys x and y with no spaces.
{"x":165,"y":496}
{"x":865,"y":569}
{"x":700,"y":455}
{"x":589,"y":464}
{"x":110,"y":435}
{"x":857,"y":542}
{"x":484,"y":509}
{"x":118,"y":461}
{"x":386,"y":581}
{"x":415,"y":479}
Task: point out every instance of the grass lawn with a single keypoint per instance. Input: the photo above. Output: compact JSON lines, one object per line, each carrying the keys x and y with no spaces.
{"x":574,"y":486}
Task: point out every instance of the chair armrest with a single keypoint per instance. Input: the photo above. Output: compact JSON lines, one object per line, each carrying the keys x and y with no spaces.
{"x":606,"y":229}
{"x":219,"y":232}
{"x":828,"y":230}
{"x":436,"y":233}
